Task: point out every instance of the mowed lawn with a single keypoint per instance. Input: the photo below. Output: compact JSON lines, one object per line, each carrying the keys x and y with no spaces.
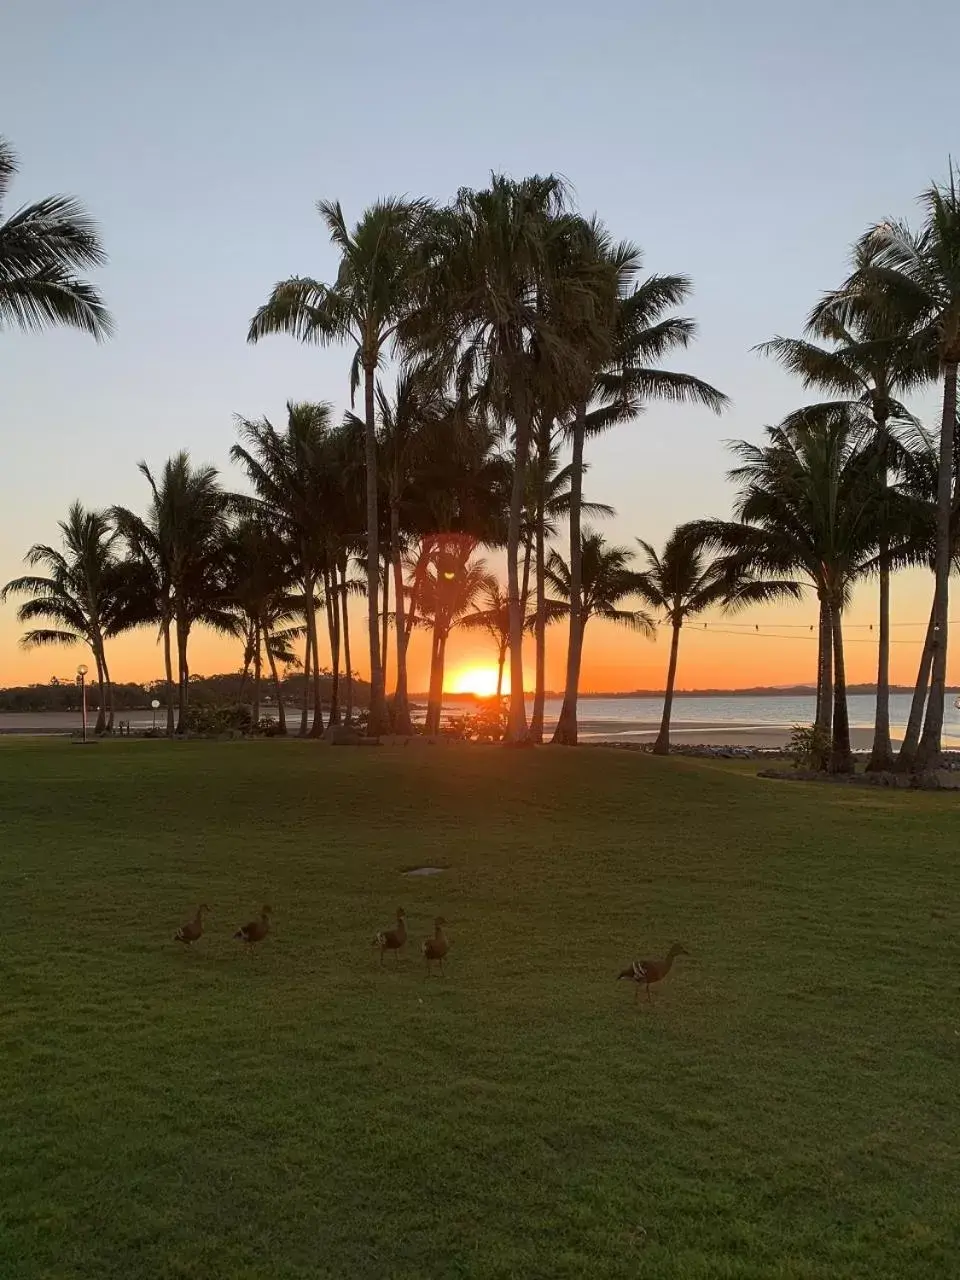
{"x":786,"y":1107}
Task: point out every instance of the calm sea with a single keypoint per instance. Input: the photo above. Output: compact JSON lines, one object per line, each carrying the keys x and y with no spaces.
{"x":625,"y":717}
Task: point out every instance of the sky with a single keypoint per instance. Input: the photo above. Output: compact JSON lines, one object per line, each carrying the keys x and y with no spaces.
{"x":745,"y":144}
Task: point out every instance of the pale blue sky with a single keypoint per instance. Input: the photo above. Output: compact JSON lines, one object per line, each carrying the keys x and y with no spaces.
{"x":745,"y":143}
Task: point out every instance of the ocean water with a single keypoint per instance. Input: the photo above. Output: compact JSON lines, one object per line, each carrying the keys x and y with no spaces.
{"x":692,"y":715}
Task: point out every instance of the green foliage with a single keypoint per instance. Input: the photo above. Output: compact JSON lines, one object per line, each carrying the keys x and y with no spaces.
{"x":210,"y":721}
{"x":487,"y":724}
{"x":809,"y":746}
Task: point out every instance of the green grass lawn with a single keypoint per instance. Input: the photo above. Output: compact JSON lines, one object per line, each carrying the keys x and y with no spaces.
{"x":787,"y":1107}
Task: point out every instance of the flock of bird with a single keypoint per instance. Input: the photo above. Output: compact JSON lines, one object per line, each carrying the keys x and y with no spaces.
{"x":642,"y":973}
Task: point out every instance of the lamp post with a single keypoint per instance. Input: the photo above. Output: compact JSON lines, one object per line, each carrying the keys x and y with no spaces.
{"x":82,"y":682}
{"x":155,"y":704}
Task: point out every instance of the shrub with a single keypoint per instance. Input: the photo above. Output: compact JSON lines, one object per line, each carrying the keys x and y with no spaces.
{"x":809,"y":746}
{"x":487,"y":724}
{"x":216,"y":722}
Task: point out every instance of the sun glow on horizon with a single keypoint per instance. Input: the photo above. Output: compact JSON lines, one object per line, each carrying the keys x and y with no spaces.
{"x":481,"y":681}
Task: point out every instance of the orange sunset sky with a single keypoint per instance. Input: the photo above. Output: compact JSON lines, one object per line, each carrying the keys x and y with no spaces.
{"x":728,"y":653}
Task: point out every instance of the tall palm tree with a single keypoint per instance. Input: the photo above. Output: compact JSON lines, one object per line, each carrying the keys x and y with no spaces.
{"x":808,"y":506}
{"x":607,"y":580}
{"x":363,"y":306}
{"x":178,"y":547}
{"x":623,"y":377}
{"x":915,"y":276}
{"x":289,"y":469}
{"x":417,"y":400}
{"x":510,"y":303}
{"x":917,"y":489}
{"x":866,"y":360}
{"x":683,"y":582}
{"x":77,"y":596}
{"x":42,"y":246}
{"x":548,"y":500}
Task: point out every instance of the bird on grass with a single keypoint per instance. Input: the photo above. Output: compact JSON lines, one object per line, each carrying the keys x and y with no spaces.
{"x":393,"y":939}
{"x":645,"y":972}
{"x":435,"y":948}
{"x":255,"y":930}
{"x":193,"y":929}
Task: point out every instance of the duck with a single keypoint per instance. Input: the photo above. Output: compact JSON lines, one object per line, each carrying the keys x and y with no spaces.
{"x":193,"y":929}
{"x":645,"y":972}
{"x":255,"y":930}
{"x":435,"y":948}
{"x":393,"y":939}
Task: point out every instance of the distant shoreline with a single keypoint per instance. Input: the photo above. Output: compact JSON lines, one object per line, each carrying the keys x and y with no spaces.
{"x":763,"y":691}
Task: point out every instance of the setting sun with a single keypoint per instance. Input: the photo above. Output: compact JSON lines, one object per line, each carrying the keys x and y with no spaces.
{"x":481,"y":681}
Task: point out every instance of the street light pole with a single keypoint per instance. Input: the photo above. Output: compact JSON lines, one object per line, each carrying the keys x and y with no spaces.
{"x":82,"y":681}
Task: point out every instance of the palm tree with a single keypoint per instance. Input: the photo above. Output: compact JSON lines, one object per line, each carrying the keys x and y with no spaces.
{"x":491,"y":613}
{"x":42,"y":245}
{"x":607,"y":580}
{"x":259,"y":580}
{"x":866,"y":361}
{"x":371,"y":294}
{"x":915,"y":278}
{"x":447,"y":589}
{"x":178,"y":547}
{"x":509,"y":302}
{"x":77,"y":595}
{"x":622,"y":379}
{"x":548,"y":500}
{"x":808,"y":505}
{"x":290,"y":473}
{"x":683,"y":582}
{"x":417,"y":400}
{"x":917,"y":488}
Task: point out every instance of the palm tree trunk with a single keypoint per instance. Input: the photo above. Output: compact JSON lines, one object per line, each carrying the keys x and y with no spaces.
{"x":824,"y":717}
{"x":525,"y":581}
{"x":277,"y":687}
{"x":256,"y":675}
{"x":565,"y":733}
{"x":662,"y":745}
{"x":331,"y":594}
{"x":435,"y":696}
{"x":841,"y":759}
{"x":539,"y":695}
{"x":316,"y":728}
{"x":385,"y":618}
{"x":183,"y":673}
{"x":517,"y":723}
{"x":168,"y":672}
{"x":101,"y":723}
{"x":307,"y":662}
{"x":347,"y":670}
{"x":109,"y":687}
{"x":378,"y":708}
{"x":911,"y":738}
{"x":501,"y":662}
{"x":881,"y":756}
{"x":247,"y":659}
{"x":929,"y":751}
{"x":401,"y":703}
